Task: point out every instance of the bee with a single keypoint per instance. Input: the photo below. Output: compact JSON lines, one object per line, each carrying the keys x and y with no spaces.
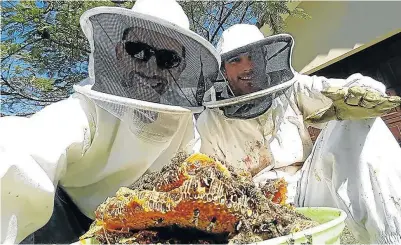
{"x":238,"y":225}
{"x":212,"y":224}
{"x":158,"y":221}
{"x":196,"y":217}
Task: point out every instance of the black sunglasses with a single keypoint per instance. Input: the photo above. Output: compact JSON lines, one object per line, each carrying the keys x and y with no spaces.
{"x":165,"y":59}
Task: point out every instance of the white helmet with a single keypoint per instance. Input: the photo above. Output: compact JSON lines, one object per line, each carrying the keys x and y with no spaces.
{"x":254,"y":71}
{"x":148,"y":53}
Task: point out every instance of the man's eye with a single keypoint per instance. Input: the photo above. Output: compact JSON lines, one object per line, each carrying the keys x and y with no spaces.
{"x":234,"y":60}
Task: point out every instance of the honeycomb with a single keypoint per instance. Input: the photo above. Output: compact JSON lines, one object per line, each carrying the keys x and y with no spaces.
{"x":276,"y":190}
{"x":196,"y":195}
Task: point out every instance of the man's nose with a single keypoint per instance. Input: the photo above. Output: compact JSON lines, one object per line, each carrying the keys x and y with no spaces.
{"x":246,"y":64}
{"x":152,"y":66}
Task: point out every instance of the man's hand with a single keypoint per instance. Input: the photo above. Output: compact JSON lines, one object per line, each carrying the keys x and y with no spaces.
{"x":354,"y":103}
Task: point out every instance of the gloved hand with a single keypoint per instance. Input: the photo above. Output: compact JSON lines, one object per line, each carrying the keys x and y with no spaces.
{"x":354,"y":103}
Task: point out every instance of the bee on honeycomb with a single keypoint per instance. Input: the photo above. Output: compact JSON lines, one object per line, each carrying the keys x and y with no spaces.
{"x":194,"y":199}
{"x":276,"y":190}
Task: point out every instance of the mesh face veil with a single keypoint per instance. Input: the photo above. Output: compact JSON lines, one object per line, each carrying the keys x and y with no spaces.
{"x":146,"y":63}
{"x":146,"y":70}
{"x":252,"y":76}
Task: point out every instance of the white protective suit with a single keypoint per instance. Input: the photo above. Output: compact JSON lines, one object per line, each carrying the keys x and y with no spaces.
{"x":83,"y":145}
{"x":354,"y":165}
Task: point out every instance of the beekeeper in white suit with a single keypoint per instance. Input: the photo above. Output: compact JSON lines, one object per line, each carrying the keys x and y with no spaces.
{"x":257,"y":119}
{"x":147,"y":75}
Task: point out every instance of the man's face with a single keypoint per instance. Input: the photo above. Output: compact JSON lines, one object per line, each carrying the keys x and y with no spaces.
{"x":246,"y":72}
{"x":239,"y":71}
{"x":149,"y":63}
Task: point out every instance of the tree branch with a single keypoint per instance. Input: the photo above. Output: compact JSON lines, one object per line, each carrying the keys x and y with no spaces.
{"x":18,"y":115}
{"x":70,"y":46}
{"x":221,"y":12}
{"x":7,"y":93}
{"x":49,"y":7}
{"x":236,"y":5}
{"x":246,"y":9}
{"x":28,"y":96}
{"x":21,"y":48}
{"x":195,"y":21}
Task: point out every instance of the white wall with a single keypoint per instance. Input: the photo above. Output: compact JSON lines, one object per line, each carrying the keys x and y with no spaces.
{"x":337,"y":27}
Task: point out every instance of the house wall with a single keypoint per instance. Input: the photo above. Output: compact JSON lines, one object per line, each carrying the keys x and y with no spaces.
{"x":337,"y":27}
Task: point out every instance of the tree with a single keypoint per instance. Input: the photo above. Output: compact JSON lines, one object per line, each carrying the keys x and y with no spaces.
{"x":211,"y":18}
{"x":44,"y":51}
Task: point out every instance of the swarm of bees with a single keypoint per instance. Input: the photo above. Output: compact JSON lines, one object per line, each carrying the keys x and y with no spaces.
{"x":195,"y":199}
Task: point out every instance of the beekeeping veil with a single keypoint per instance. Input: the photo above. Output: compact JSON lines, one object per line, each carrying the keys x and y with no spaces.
{"x":254,"y":71}
{"x":145,"y":64}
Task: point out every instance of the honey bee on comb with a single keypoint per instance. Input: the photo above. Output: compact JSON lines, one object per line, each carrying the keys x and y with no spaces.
{"x":194,"y":199}
{"x":276,"y":190}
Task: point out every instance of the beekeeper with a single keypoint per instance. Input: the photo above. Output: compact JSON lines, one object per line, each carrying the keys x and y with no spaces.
{"x":147,"y":76}
{"x":257,"y":118}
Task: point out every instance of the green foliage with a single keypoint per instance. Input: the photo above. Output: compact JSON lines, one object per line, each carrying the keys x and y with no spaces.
{"x":44,"y":51}
{"x":211,"y":18}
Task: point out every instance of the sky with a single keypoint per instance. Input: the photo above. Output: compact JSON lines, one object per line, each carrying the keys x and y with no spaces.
{"x":17,"y":38}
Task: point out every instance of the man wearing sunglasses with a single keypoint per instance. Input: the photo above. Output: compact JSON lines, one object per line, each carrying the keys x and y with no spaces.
{"x":261,"y":125}
{"x":149,"y":62}
{"x":147,"y":76}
